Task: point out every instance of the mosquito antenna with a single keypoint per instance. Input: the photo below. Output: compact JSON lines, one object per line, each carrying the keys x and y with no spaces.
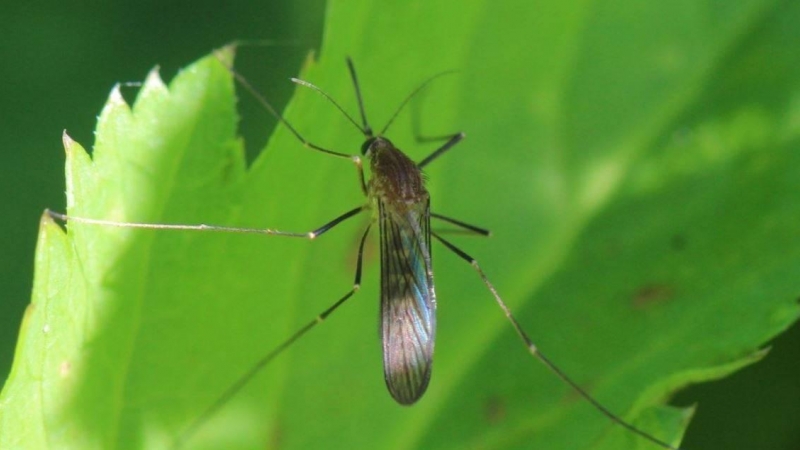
{"x":352,"y":68}
{"x":304,"y":83}
{"x":411,"y":95}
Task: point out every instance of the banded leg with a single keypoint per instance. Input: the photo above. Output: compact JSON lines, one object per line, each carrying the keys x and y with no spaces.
{"x":263,"y":362}
{"x":538,"y":354}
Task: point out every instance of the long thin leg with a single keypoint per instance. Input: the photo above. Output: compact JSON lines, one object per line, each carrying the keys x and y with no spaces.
{"x":470,"y":228}
{"x":260,"y":364}
{"x":419,"y":138}
{"x":213,"y":228}
{"x":452,"y":140}
{"x":538,"y":354}
{"x":268,"y":106}
{"x":355,"y":159}
{"x":361,"y":178}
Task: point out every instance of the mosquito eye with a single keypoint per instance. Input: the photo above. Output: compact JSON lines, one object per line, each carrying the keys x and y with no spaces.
{"x":366,"y":145}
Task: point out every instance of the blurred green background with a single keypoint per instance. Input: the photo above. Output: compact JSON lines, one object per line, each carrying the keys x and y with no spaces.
{"x":60,"y":64}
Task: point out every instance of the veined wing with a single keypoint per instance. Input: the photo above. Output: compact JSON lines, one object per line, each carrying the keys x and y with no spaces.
{"x":408,"y":300}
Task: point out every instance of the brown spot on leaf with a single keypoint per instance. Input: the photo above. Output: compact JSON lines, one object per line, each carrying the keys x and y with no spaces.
{"x":494,"y":409}
{"x":651,"y":294}
{"x":275,"y":439}
{"x":678,"y":242}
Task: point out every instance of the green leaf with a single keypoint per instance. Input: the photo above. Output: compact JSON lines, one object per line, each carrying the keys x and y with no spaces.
{"x":636,"y":163}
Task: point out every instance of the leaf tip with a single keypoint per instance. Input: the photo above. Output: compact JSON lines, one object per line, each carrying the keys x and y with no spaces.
{"x":226,"y":54}
{"x":68,"y":143}
{"x":45,"y":219}
{"x":688,"y":413}
{"x":115,"y":104}
{"x":153,"y":80}
{"x":115,"y":97}
{"x":759,"y":354}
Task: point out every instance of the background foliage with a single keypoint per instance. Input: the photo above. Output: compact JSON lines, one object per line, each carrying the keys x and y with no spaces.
{"x":737,"y":98}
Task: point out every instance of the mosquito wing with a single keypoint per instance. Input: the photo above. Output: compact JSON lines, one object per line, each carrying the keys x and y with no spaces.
{"x":408,"y":301}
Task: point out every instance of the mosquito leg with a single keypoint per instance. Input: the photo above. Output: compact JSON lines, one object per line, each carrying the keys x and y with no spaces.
{"x":360,"y":168}
{"x":244,"y":379}
{"x":538,"y":354}
{"x":452,"y":140}
{"x":355,"y":159}
{"x":274,"y":112}
{"x":419,"y":138}
{"x":213,"y":228}
{"x":319,"y":231}
{"x":470,"y":228}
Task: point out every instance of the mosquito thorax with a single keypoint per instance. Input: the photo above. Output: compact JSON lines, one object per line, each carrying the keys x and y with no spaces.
{"x":395,"y":177}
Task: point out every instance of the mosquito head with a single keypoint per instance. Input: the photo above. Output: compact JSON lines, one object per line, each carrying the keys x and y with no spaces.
{"x":366,"y":145}
{"x":364,"y":127}
{"x":375,"y":144}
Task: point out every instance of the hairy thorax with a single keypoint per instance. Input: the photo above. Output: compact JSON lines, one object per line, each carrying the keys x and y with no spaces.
{"x":395,"y":178}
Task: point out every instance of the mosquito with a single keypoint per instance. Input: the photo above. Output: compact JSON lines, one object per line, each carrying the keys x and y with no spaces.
{"x":396,"y":196}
